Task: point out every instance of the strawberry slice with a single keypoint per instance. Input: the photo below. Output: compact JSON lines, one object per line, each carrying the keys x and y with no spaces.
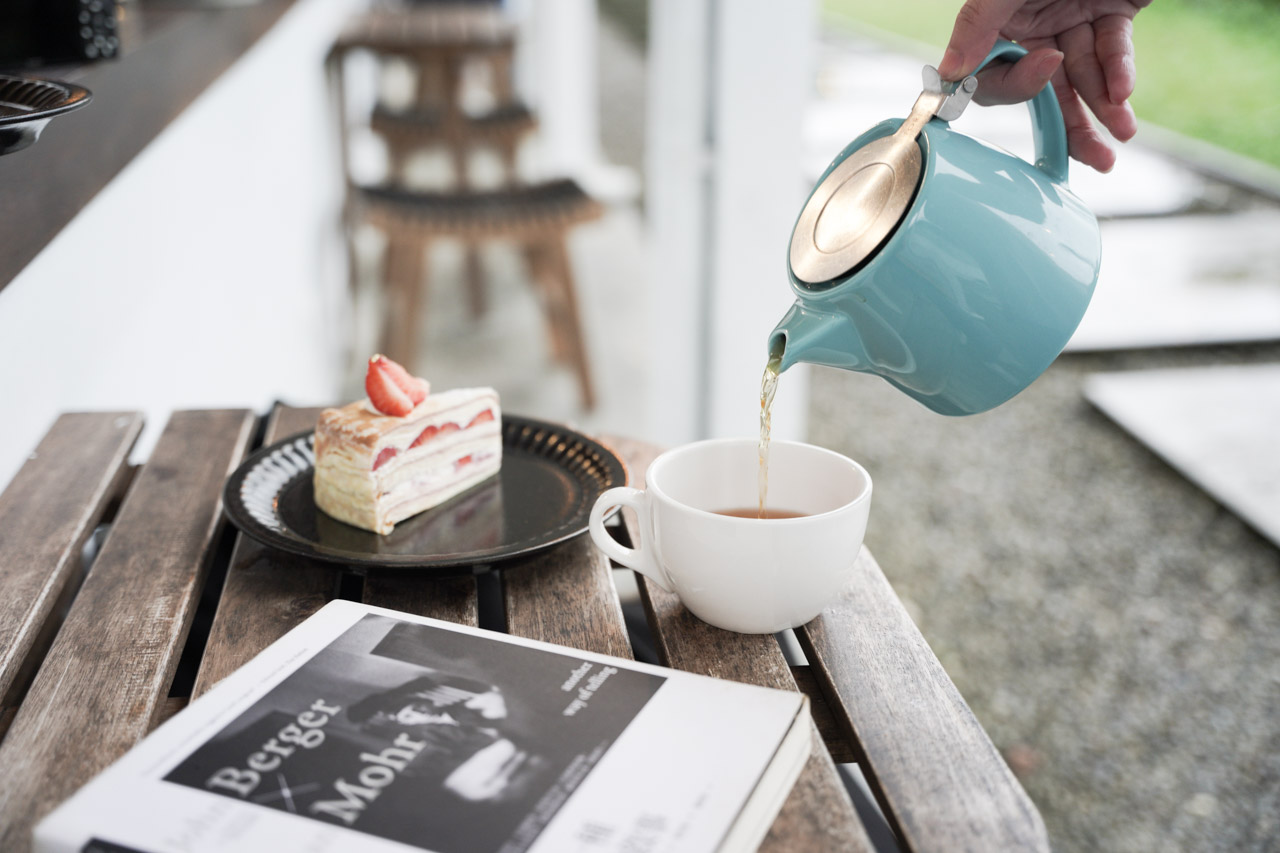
{"x":431,"y":432}
{"x":415,"y":387}
{"x":425,"y":436}
{"x":483,"y":417}
{"x":384,"y":392}
{"x":384,"y":456}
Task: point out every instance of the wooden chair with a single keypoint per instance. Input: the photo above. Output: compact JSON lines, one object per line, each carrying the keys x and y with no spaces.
{"x":503,"y":130}
{"x":536,"y":217}
{"x":439,"y":42}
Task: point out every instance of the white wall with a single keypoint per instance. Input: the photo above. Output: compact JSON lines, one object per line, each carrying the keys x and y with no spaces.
{"x":208,"y":273}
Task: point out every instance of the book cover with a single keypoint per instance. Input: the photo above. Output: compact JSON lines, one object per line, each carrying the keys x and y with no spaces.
{"x":367,"y":729}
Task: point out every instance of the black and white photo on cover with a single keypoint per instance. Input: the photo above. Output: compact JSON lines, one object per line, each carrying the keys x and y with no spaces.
{"x":441,"y":739}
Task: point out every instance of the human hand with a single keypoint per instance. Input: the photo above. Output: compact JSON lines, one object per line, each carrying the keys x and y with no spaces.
{"x":1083,"y":47}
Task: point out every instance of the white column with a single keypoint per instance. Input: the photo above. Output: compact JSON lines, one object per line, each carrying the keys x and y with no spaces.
{"x":677,"y":198}
{"x":729,"y":81}
{"x":559,"y":78}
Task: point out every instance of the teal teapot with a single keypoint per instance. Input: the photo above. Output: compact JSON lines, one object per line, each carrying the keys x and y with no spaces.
{"x":951,"y":268}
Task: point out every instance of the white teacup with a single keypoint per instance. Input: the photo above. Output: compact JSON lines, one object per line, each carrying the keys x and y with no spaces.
{"x":751,"y":575}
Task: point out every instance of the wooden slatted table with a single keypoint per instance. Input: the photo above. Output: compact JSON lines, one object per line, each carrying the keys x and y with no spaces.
{"x":88,"y":659}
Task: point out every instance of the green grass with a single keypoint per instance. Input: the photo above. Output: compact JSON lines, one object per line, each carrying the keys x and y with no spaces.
{"x":1209,"y":69}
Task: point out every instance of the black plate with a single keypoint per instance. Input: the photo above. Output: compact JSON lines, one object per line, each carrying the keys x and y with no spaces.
{"x":27,"y":104}
{"x":542,"y":495}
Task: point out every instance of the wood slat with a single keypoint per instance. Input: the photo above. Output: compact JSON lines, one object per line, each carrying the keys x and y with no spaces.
{"x":106,"y":676}
{"x":833,"y":734}
{"x":46,"y":514}
{"x":450,"y":599}
{"x":934,"y":769}
{"x":566,"y":596}
{"x":818,"y":815}
{"x":266,"y":592}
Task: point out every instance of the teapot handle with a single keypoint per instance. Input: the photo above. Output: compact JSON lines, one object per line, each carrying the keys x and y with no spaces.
{"x":1048,"y":130}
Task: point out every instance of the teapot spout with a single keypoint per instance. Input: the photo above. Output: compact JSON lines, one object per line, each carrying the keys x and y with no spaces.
{"x":817,"y":337}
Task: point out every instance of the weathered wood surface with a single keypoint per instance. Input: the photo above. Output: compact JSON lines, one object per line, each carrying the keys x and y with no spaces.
{"x":565,"y":595}
{"x":449,"y":599}
{"x":267,"y":592}
{"x":46,"y":514}
{"x":832,"y":732}
{"x":935,"y":771}
{"x":105,"y":678}
{"x":818,"y":814}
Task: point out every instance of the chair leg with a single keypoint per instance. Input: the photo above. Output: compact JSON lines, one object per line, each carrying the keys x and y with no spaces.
{"x":509,"y":154}
{"x":431,"y":88}
{"x":404,"y":287}
{"x":397,"y":156}
{"x":477,"y":297}
{"x":541,"y":274}
{"x":568,"y":298}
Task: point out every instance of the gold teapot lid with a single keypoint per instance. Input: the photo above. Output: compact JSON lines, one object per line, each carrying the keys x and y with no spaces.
{"x":857,"y":206}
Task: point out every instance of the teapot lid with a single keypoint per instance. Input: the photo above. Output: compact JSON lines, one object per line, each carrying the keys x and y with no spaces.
{"x":865,"y":196}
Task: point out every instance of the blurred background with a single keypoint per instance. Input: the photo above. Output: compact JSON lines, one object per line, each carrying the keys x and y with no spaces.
{"x":1094,"y":562}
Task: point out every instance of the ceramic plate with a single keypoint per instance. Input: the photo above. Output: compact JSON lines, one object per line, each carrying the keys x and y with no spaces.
{"x":550,"y":477}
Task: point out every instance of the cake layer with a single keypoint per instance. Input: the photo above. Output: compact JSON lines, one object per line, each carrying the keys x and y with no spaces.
{"x":343,"y":470}
{"x":381,"y":513}
{"x":373,"y":470}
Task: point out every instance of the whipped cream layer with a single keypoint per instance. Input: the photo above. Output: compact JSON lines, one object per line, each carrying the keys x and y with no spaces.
{"x":374,"y":470}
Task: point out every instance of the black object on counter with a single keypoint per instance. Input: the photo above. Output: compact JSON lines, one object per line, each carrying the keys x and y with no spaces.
{"x":36,"y":33}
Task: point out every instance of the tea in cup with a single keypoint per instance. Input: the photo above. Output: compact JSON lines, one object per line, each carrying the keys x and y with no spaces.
{"x":701,"y":539}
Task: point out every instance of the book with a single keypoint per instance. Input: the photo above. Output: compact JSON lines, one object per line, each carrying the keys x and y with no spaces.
{"x":364,"y":729}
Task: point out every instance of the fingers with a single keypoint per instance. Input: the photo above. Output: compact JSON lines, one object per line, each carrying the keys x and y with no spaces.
{"x":1084,"y":73}
{"x":1084,"y":142}
{"x":1011,"y":83}
{"x":1113,"y":42}
{"x":977,"y":25}
{"x":1005,"y":83}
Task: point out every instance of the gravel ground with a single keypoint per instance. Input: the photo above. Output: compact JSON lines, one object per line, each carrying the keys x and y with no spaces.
{"x":1116,"y":631}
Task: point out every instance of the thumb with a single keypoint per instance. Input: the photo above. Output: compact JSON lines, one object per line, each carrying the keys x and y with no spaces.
{"x":977,"y":26}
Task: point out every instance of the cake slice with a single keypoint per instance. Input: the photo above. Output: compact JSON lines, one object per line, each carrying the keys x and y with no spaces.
{"x":374,"y":469}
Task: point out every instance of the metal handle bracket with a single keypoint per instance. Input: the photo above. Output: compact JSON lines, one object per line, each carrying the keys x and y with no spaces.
{"x":958,"y":95}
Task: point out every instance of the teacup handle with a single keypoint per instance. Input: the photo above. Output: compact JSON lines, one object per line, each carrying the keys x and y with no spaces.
{"x":1048,"y":131}
{"x":640,"y":559}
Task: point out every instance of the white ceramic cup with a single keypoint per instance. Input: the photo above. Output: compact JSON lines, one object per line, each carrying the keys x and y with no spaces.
{"x":751,"y":575}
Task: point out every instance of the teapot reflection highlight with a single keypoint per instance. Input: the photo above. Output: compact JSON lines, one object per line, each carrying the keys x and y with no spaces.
{"x":951,"y":268}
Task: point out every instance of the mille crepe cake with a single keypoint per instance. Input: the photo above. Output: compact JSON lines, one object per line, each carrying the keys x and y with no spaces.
{"x":403,"y":450}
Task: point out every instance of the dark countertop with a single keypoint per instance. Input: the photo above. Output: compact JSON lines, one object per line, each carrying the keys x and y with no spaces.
{"x":170,"y":53}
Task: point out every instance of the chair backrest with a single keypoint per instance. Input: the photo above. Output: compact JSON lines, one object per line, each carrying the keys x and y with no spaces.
{"x":460,"y":58}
